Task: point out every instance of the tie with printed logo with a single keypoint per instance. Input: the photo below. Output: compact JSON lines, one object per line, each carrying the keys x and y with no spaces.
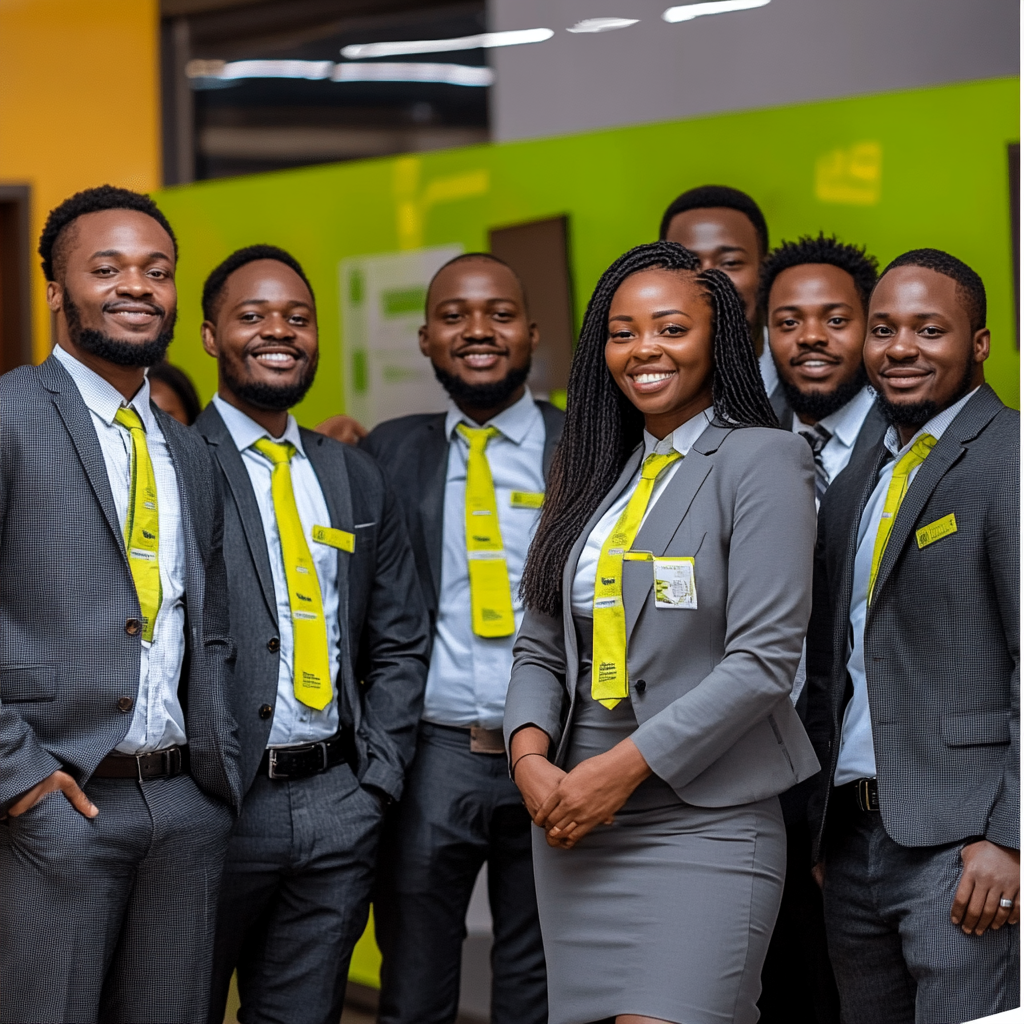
{"x":489,"y":587}
{"x":609,"y":682}
{"x":898,"y":487}
{"x":142,"y":523}
{"x":311,"y":663}
{"x":817,"y":437}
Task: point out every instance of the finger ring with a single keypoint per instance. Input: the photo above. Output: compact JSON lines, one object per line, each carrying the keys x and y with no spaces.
{"x":1006,"y":904}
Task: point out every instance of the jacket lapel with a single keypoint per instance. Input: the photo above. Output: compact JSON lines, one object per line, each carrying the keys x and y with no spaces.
{"x":554,"y":420}
{"x":433,"y":474}
{"x":186,"y":488}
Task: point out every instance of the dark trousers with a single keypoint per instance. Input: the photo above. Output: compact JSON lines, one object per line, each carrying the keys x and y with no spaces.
{"x":111,"y":918}
{"x":898,"y":958}
{"x":295,"y":898}
{"x":460,"y":810}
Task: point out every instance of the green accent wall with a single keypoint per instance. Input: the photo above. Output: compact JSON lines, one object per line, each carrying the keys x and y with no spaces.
{"x":896,"y":171}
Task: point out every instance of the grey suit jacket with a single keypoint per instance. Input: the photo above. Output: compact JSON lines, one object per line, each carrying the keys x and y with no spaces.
{"x":382,"y":618}
{"x":941,"y":639}
{"x":710,"y":687}
{"x":66,"y":593}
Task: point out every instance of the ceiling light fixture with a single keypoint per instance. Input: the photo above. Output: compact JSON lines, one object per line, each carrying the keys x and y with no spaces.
{"x":314,"y":70}
{"x":687,"y":12}
{"x":602,"y":24}
{"x":485,"y":40}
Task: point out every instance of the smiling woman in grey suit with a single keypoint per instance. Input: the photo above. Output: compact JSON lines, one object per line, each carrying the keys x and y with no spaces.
{"x":674,"y":554}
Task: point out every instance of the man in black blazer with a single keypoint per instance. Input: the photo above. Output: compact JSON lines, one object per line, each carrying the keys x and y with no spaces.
{"x":118,"y":753}
{"x":491,"y":451}
{"x":332,"y":640}
{"x":913,"y":670}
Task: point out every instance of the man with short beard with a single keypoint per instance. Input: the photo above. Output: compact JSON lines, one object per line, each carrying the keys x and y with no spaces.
{"x":914,"y":669}
{"x":471,"y":482}
{"x":332,"y":652}
{"x":118,"y":755}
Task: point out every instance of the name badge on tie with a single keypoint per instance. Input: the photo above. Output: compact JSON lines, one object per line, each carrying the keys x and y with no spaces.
{"x":340,"y":539}
{"x":674,"y":583}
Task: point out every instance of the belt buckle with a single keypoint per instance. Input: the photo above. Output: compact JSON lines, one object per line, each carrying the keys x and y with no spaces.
{"x":864,"y":801}
{"x":322,"y":744}
{"x":272,"y":764}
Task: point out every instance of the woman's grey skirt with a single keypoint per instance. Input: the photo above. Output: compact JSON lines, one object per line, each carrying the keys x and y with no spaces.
{"x":667,"y":913}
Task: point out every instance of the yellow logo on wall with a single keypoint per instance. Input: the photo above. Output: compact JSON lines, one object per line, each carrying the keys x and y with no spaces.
{"x":850,"y":176}
{"x":412,"y":203}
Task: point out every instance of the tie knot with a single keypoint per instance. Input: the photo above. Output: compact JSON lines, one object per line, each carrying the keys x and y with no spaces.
{"x":919,"y":451}
{"x":477,"y":437}
{"x":277,"y":452}
{"x":129,"y":418}
{"x":817,"y":437}
{"x":654,"y":464}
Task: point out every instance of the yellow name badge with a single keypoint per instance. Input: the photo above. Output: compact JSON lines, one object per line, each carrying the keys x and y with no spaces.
{"x":340,"y":539}
{"x":675,"y":585}
{"x":527,"y":499}
{"x":936,"y":531}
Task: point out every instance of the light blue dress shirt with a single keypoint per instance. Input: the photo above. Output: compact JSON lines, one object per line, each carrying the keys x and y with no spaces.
{"x":294,"y":722}
{"x":856,"y":748}
{"x":469,"y":674}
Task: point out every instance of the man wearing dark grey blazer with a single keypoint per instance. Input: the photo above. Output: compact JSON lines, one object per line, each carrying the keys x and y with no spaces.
{"x":914,"y":670}
{"x":332,"y":639}
{"x":118,"y":753}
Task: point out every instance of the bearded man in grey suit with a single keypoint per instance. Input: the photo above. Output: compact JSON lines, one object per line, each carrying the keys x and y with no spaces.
{"x":332,"y":637}
{"x":118,"y":754}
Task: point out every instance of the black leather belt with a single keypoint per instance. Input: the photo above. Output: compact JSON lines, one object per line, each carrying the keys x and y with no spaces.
{"x":861,"y":794}
{"x":308,"y":759}
{"x":160,"y":764}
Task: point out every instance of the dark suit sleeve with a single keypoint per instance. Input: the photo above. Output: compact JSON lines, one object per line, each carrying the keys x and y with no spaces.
{"x":393,"y":656}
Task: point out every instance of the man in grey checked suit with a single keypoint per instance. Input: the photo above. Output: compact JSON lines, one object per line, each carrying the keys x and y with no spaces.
{"x":118,"y":754}
{"x":300,"y":861}
{"x":913,"y":670}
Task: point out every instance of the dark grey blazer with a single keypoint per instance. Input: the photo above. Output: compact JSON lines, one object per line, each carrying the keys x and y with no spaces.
{"x":710,"y":687}
{"x":66,"y":593}
{"x":413,"y":452}
{"x":383,"y":622}
{"x":941,"y":638}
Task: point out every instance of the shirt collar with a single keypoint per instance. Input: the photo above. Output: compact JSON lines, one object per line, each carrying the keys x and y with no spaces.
{"x":766,"y":364}
{"x":936,"y":426}
{"x":245,"y":431}
{"x":100,"y":396}
{"x":844,"y":424}
{"x":683,"y":437}
{"x":513,"y":422}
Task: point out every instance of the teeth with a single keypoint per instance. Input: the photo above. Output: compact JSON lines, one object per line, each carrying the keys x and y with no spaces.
{"x":274,"y":357}
{"x":650,"y":378}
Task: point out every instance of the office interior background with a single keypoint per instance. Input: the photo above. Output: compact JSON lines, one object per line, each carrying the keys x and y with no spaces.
{"x":346,"y":132}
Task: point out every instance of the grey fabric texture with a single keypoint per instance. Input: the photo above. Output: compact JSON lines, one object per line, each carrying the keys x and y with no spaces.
{"x":942,"y":637}
{"x":715,"y":717}
{"x":66,"y":593}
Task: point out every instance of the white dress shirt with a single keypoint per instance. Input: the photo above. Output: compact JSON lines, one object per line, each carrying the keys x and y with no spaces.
{"x":157,"y":720}
{"x":766,"y":364}
{"x":681,"y":440}
{"x":294,"y":722}
{"x":469,"y":674}
{"x":856,"y":749}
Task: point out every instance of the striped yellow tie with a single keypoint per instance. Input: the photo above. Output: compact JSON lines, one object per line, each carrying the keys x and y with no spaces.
{"x":609,"y":682}
{"x":142,"y":524}
{"x":311,"y":664}
{"x":898,"y":487}
{"x":489,"y":587}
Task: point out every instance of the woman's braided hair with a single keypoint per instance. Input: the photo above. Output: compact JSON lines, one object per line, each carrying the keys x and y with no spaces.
{"x":602,"y":427}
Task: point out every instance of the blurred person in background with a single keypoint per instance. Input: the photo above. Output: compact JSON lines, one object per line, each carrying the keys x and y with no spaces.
{"x":172,"y":390}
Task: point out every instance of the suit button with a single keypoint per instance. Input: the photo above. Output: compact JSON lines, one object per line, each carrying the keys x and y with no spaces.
{"x":133,"y":627}
{"x":124,"y":704}
{"x":273,"y":645}
{"x":266,"y":711}
{"x":640,"y":686}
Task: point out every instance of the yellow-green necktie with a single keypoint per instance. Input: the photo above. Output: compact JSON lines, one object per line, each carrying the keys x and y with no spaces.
{"x":489,"y":588}
{"x":898,"y":487}
{"x":142,"y":524}
{"x":609,"y":682}
{"x":311,"y":665}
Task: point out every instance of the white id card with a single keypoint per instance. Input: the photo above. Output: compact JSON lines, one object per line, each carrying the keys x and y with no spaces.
{"x":674,"y":583}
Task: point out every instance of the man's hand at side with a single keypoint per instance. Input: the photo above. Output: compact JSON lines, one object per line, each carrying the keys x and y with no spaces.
{"x":58,"y":780}
{"x":990,"y":873}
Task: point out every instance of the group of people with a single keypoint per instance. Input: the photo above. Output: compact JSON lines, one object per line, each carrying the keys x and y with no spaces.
{"x":717,"y":671}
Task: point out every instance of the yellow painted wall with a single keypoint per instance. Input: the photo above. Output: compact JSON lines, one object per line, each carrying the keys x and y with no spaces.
{"x":79,"y":106}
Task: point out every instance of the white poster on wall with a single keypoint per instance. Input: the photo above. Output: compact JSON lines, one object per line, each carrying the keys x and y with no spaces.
{"x":382,"y":302}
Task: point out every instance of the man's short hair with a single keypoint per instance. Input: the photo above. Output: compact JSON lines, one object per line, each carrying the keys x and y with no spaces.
{"x":213,"y":289}
{"x":851,"y":258}
{"x":465,"y":257}
{"x":970,"y":289}
{"x":709,"y":196}
{"x":91,"y":200}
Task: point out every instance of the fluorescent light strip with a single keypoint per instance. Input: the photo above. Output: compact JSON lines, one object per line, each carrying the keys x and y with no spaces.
{"x":602,"y":24}
{"x":320,"y":70}
{"x":360,"y":51}
{"x":687,"y":12}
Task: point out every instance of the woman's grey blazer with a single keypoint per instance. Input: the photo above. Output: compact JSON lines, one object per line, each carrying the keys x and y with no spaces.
{"x":710,"y":686}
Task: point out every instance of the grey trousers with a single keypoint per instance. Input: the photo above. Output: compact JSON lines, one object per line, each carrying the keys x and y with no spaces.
{"x":111,"y":919}
{"x":459,"y":811}
{"x":897,"y":957}
{"x":295,"y":897}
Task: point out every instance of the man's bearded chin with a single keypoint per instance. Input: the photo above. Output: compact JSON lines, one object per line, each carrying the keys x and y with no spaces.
{"x":917,"y":414}
{"x":117,"y":350}
{"x":482,"y":396}
{"x":268,"y":397}
{"x":816,"y":405}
